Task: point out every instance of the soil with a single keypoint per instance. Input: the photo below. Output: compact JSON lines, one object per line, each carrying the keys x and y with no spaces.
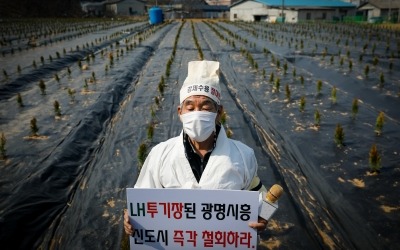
{"x":65,"y":188}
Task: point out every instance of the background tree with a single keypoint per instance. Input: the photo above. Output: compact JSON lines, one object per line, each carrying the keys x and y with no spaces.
{"x":40,"y":8}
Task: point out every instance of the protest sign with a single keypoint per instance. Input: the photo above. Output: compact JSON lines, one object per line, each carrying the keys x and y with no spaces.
{"x":192,"y":218}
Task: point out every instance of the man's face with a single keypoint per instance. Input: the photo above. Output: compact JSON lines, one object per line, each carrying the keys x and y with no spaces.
{"x":199,"y":103}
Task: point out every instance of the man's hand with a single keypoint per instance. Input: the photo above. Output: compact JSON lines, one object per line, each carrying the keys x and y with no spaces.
{"x":261,"y":225}
{"x":127,"y":225}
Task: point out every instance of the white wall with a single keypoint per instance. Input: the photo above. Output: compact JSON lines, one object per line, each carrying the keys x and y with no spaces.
{"x":291,"y":16}
{"x":128,"y":8}
{"x":246,"y":11}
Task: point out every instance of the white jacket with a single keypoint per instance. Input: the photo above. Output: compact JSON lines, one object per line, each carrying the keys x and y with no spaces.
{"x":232,"y":165}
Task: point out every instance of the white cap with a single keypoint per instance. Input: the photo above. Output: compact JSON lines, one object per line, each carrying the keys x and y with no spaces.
{"x":202,"y":79}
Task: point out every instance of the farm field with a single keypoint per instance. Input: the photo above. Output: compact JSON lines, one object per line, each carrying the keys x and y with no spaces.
{"x":78,"y":102}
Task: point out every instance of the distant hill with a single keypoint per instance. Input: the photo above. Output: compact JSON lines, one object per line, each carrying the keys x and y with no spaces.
{"x":40,"y":8}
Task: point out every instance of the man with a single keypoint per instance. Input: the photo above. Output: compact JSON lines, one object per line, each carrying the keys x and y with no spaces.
{"x":202,"y":156}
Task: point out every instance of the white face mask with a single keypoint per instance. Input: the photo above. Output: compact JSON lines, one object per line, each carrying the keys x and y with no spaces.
{"x":199,"y":125}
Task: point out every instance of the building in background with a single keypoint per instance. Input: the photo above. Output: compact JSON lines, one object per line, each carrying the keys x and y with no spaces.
{"x":114,"y":8}
{"x":93,"y":8}
{"x":220,"y":2}
{"x":180,"y":9}
{"x":126,"y":8}
{"x":291,"y":11}
{"x":381,"y":10}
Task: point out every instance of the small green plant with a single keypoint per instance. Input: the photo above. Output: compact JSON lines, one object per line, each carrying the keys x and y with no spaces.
{"x":42,"y":87}
{"x":111,"y":58}
{"x":354,"y":108}
{"x":285,"y":68}
{"x":374,"y":160}
{"x":287,"y":91}
{"x":294,"y":72}
{"x":379,"y":123}
{"x":302,"y":103}
{"x":375,"y":61}
{"x":365,"y":47}
{"x":333,"y":95}
{"x":302,"y":80}
{"x":141,"y":154}
{"x":366,"y":70}
{"x":71,"y":93}
{"x":168,"y":69}
{"x":277,"y":84}
{"x":317,"y":118}
{"x":93,"y":77}
{"x":57,"y":78}
{"x":319,"y":86}
{"x":69,"y":71}
{"x":150,"y":131}
{"x":157,"y":101}
{"x":271,"y":77}
{"x":86,"y":86}
{"x":3,"y":150}
{"x":57,"y":109}
{"x":350,"y":65}
{"x":161,"y":85}
{"x":339,"y":135}
{"x":19,"y":100}
{"x":34,"y":127}
{"x":381,"y":80}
